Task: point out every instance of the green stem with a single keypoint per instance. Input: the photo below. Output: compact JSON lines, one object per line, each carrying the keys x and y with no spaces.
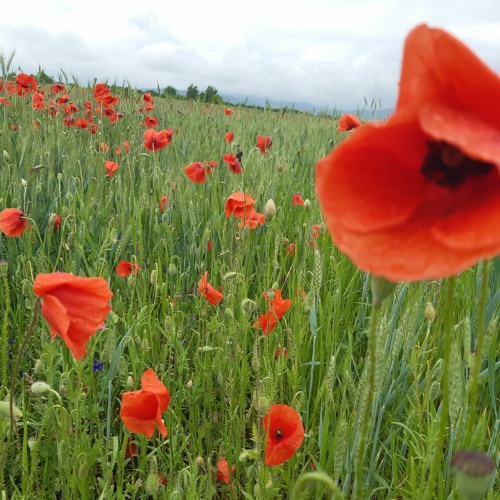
{"x":476,"y":366}
{"x":5,"y":322}
{"x":445,"y":389}
{"x":370,"y":389}
{"x":17,"y":362}
{"x":318,"y":477}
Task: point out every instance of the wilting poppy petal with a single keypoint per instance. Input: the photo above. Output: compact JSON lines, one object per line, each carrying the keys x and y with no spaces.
{"x":223,"y":471}
{"x":73,"y":306}
{"x":285,"y":434}
{"x":213,"y":295}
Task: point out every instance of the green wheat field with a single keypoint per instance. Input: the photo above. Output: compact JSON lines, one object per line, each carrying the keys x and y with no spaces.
{"x":222,"y":371}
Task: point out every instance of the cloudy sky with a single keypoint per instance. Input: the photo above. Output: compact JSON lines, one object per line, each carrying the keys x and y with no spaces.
{"x":330,"y":53}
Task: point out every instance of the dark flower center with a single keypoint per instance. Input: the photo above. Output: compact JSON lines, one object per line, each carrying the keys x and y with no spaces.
{"x":447,"y":166}
{"x":278,"y":434}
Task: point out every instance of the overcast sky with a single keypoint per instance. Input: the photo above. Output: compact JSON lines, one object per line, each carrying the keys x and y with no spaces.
{"x":330,"y":53}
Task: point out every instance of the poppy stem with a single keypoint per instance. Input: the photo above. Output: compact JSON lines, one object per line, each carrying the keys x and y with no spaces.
{"x":22,"y":348}
{"x":367,"y":411}
{"x":478,"y":358}
{"x":445,"y":391}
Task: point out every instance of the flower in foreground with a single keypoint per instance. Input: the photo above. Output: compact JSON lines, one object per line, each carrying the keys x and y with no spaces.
{"x":213,"y":295}
{"x":154,"y":141}
{"x":285,"y":434}
{"x":125,"y":268}
{"x":142,"y":409}
{"x":111,"y":167}
{"x":73,"y":306}
{"x":264,"y":143}
{"x":13,"y":222}
{"x":418,"y":197}
{"x":348,"y":122}
{"x":238,"y":204}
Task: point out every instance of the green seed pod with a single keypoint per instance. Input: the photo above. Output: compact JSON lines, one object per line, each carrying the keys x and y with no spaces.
{"x":172,"y":269}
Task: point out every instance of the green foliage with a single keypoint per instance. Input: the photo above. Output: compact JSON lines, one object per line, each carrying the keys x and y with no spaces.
{"x":192,"y":92}
{"x":221,"y":371}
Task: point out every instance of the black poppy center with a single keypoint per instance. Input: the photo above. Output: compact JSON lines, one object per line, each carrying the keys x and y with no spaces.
{"x":278,"y":434}
{"x":447,"y":166}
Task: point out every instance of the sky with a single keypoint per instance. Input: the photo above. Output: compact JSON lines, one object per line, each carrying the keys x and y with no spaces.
{"x":332,"y":53}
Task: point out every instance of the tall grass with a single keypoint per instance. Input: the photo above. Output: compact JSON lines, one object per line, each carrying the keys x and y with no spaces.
{"x":221,"y":371}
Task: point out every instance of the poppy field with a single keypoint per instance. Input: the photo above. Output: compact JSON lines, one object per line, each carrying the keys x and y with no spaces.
{"x":205,"y":301}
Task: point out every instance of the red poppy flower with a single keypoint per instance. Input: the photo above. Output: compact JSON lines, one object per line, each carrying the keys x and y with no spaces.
{"x":210,"y":246}
{"x":37,"y":101}
{"x":266,"y":322}
{"x":73,"y":306}
{"x":94,"y":129}
{"x":297,"y":200}
{"x":280,"y":352}
{"x":57,"y":87}
{"x":154,"y":141}
{"x":70,"y":109}
{"x":418,"y":197}
{"x":229,"y":136}
{"x":125,"y":268}
{"x":143,"y":408}
{"x":5,"y":101}
{"x":252,"y":219}
{"x":223,"y":471}
{"x":25,"y":84}
{"x":163,"y":203}
{"x":81,"y":123}
{"x":291,"y":249}
{"x":233,"y":163}
{"x":12,"y":222}
{"x":111,"y":167}
{"x":278,"y":308}
{"x":198,"y":171}
{"x":348,"y":122}
{"x":57,"y":223}
{"x":131,"y":448}
{"x":147,"y":97}
{"x":150,"y":122}
{"x":63,"y":99}
{"x":264,"y":143}
{"x":228,"y":111}
{"x":285,"y":434}
{"x":238,"y":204}
{"x":213,"y":295}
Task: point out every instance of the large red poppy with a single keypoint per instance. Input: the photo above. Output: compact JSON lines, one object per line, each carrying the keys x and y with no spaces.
{"x":197,"y":172}
{"x":142,"y":409}
{"x":25,"y":84}
{"x":238,"y":204}
{"x":12,"y":222}
{"x":73,"y":306}
{"x":154,"y":141}
{"x":285,"y":434}
{"x":418,"y":197}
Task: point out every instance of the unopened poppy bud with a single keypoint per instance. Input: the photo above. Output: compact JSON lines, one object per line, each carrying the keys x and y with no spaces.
{"x":200,"y":462}
{"x":151,"y":485}
{"x":63,"y":390}
{"x":130,"y":382}
{"x":59,"y":176}
{"x":229,"y":313}
{"x":381,"y":289}
{"x":270,"y":209}
{"x":153,"y":277}
{"x":40,"y":388}
{"x":38,"y":366}
{"x":275,"y":286}
{"x":189,"y":384}
{"x":243,"y":456}
{"x":474,"y":471}
{"x":32,"y":440}
{"x":248,"y":305}
{"x":430,"y":312}
{"x":172,"y":269}
{"x":5,"y":411}
{"x":6,"y":155}
{"x":229,"y":275}
{"x":261,"y":403}
{"x":24,"y":183}
{"x":307,"y":204}
{"x":269,"y":483}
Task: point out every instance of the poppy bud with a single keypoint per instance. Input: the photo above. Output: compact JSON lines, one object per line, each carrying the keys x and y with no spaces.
{"x":59,"y":176}
{"x":243,"y":456}
{"x":270,"y":209}
{"x":32,"y":440}
{"x":39,"y":366}
{"x":261,"y":403}
{"x":24,"y":183}
{"x":248,"y":305}
{"x":474,"y":471}
{"x":172,"y":269}
{"x":430,"y":312}
{"x":6,"y":155}
{"x":189,"y":384}
{"x":229,"y":313}
{"x":307,"y":204}
{"x":153,"y":277}
{"x":130,"y":382}
{"x":40,"y":388}
{"x":5,"y":411}
{"x":200,"y":462}
{"x":381,"y":289}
